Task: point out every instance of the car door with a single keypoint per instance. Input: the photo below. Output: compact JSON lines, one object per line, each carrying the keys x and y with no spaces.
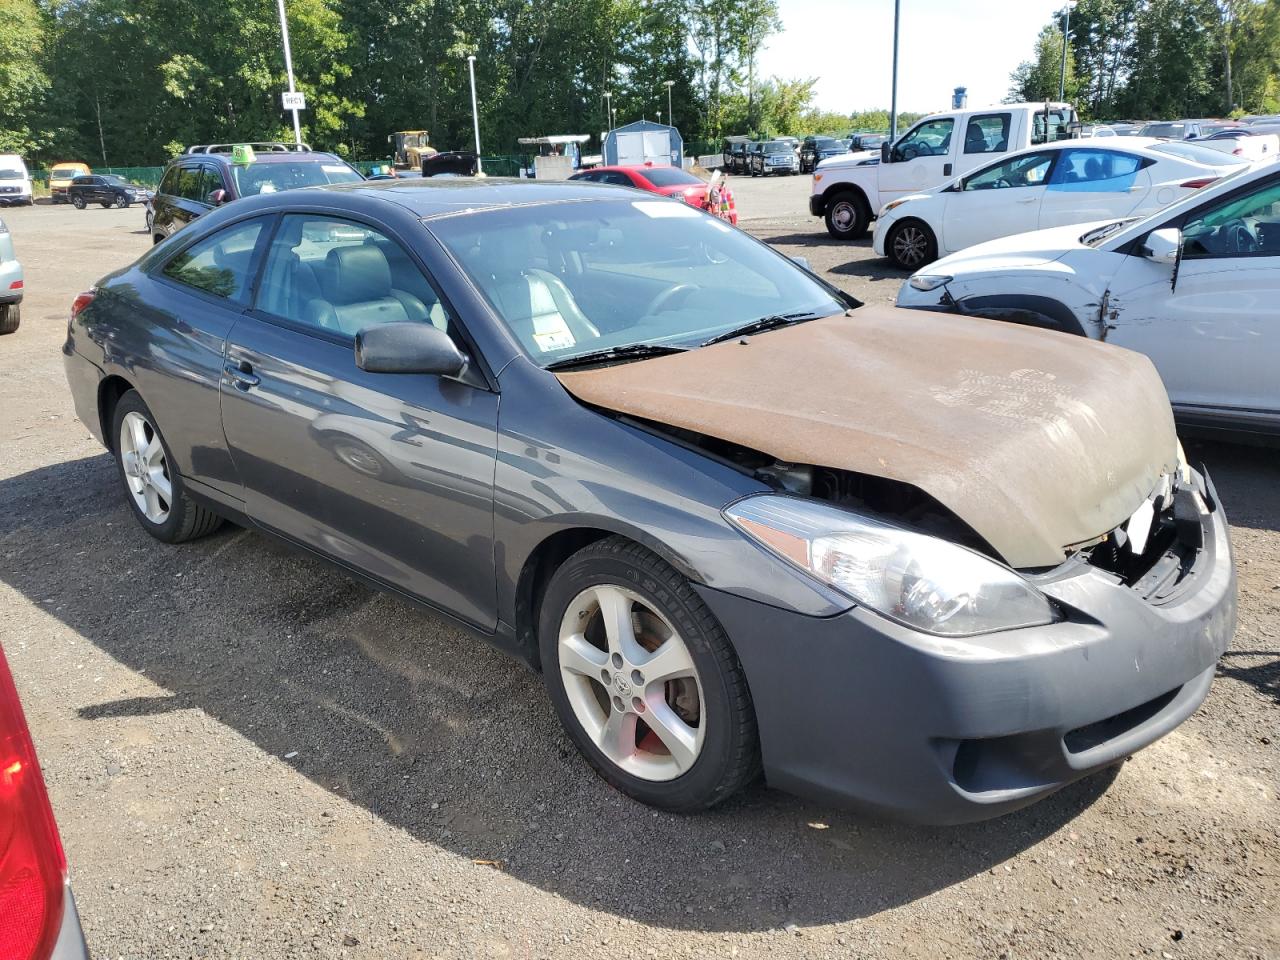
{"x":921,"y":159}
{"x":997,"y":201}
{"x":181,"y":324}
{"x":1090,"y":184}
{"x":391,"y":474}
{"x":1214,"y":334}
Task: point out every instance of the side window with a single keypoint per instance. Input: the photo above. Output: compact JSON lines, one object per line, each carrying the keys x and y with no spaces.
{"x":1242,"y":226}
{"x":220,"y":264}
{"x":210,"y":180}
{"x":341,"y":276}
{"x":169,"y":183}
{"x":1095,"y":171}
{"x":188,"y":187}
{"x":987,"y":134}
{"x":1030,"y":170}
{"x":617,"y":179}
{"x":930,"y":139}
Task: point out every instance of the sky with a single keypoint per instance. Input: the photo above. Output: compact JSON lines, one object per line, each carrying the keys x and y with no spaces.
{"x":848,"y":46}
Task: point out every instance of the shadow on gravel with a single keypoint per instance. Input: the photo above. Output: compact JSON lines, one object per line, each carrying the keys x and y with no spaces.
{"x":390,"y":709}
{"x":1263,"y":677}
{"x":875,"y":268}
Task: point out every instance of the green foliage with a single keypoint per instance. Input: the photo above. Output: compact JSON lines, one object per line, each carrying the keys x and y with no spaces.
{"x":1166,"y":59}
{"x":23,"y":82}
{"x":1040,"y":78}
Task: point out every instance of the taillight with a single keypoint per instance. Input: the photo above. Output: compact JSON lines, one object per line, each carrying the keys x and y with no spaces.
{"x":80,"y":302}
{"x":1197,"y":184}
{"x":33,"y":867}
{"x":16,"y":285}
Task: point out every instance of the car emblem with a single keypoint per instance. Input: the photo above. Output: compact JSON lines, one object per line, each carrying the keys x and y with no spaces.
{"x":621,"y":685}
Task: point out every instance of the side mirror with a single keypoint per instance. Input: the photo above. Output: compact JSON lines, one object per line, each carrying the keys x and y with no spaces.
{"x":218,"y":197}
{"x":1163,"y":246}
{"x":408,"y":347}
{"x":886,"y":152}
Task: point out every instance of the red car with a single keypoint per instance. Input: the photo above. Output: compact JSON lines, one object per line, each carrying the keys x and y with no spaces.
{"x":38,"y":919}
{"x":670,"y":182}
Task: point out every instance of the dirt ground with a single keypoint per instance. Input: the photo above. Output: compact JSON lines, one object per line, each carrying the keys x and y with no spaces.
{"x":251,"y":756}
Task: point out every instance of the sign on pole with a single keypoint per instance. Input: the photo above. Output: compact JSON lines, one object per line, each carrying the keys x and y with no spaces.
{"x":294,"y":100}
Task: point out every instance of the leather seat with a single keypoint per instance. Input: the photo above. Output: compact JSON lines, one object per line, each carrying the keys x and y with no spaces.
{"x":975,"y":141}
{"x":535,"y":302}
{"x":356,"y":292}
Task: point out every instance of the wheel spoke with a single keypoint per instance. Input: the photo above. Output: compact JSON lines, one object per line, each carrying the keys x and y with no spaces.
{"x":153,"y":454}
{"x":615,"y":610}
{"x":160,"y":483}
{"x":669,"y":662}
{"x":680,"y":739}
{"x":138,"y":434}
{"x":153,"y":509}
{"x":580,"y":657}
{"x":618,"y":736}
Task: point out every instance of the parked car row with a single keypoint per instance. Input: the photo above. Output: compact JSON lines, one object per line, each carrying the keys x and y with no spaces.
{"x":727,"y":511}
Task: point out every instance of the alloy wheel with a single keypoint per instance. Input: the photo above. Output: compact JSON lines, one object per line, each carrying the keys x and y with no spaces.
{"x":910,"y":246}
{"x":631,"y":683}
{"x":146,"y":470}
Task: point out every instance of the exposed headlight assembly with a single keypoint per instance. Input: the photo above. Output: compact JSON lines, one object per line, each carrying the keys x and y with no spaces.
{"x":926,"y":282}
{"x":919,"y":581}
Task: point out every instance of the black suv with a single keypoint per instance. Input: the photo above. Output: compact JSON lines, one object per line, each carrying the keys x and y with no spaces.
{"x":209,"y":175}
{"x":734,"y":154}
{"x":106,"y":189}
{"x":816,"y":149}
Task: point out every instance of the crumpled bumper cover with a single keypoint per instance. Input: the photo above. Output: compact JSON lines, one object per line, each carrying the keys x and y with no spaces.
{"x":857,"y":710}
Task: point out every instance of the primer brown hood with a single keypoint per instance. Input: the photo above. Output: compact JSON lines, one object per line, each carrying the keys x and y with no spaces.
{"x":1037,"y":440}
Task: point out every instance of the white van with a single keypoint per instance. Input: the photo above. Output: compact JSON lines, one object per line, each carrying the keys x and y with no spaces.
{"x":15,"y":181}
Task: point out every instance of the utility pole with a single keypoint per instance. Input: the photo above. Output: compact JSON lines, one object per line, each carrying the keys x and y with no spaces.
{"x":671,"y":116}
{"x":475,"y":112}
{"x":288,"y":66}
{"x":1066,"y":39}
{"x":893,"y":106}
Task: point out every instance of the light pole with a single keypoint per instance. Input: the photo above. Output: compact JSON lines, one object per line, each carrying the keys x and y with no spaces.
{"x":669,"y":84}
{"x":893,"y":102}
{"x":475,"y":112}
{"x":288,"y":67}
{"x":608,"y":108}
{"x":1066,"y":38}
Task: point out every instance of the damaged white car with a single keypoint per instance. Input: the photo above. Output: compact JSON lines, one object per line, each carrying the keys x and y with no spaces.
{"x":1195,"y":287}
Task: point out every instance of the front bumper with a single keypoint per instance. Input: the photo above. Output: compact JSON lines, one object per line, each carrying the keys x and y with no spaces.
{"x":817,"y":205}
{"x":857,"y":710}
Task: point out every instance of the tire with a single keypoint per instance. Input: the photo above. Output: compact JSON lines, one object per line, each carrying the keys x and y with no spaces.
{"x":911,"y":245}
{"x":78,"y":202}
{"x":10,"y":318}
{"x":122,"y":203}
{"x":718,"y":753}
{"x":847,"y":216}
{"x":108,"y":205}
{"x":184,"y":519}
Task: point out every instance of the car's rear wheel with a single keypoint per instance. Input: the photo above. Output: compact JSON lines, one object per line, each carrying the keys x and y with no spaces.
{"x":78,"y":202}
{"x":153,"y":487}
{"x":10,"y":318}
{"x":645,"y":680}
{"x":847,"y":216}
{"x":911,"y":245}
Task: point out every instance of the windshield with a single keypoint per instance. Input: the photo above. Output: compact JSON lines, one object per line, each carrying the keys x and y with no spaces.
{"x":670,"y":177}
{"x":1208,"y":156}
{"x":576,"y":278}
{"x":66,"y":173}
{"x":288,"y":175}
{"x":1174,"y":131}
{"x":9,"y":174}
{"x":777,"y":146}
{"x":115,"y":180}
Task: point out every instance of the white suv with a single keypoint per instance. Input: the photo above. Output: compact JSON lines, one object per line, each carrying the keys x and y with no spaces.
{"x":1195,"y":287}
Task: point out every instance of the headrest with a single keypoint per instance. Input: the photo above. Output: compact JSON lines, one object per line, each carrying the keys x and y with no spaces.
{"x":355,"y":275}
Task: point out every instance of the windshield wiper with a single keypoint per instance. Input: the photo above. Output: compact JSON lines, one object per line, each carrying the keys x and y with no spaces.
{"x":770,"y":322}
{"x":633,"y":351}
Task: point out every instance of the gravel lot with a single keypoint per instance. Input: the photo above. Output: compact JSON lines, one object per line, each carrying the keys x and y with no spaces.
{"x":251,"y":756}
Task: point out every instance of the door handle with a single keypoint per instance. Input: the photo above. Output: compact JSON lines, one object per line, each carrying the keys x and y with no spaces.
{"x":1026,"y":200}
{"x":946,"y":169}
{"x":241,"y":375}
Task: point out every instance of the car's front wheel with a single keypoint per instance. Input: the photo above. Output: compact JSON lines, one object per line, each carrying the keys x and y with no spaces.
{"x":645,"y":680}
{"x":122,"y":203}
{"x":911,"y":245}
{"x":78,"y":202}
{"x":154,"y":489}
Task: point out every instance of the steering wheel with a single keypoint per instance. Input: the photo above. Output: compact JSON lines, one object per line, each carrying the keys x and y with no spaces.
{"x":1238,"y":237}
{"x":667,"y":298}
{"x":910,"y":151}
{"x":1002,"y":183}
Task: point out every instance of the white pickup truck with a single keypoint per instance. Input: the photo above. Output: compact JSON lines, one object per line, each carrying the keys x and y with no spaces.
{"x":849,"y":191}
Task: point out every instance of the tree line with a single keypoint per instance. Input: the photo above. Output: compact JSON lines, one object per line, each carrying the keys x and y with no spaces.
{"x":130,"y":82}
{"x":1159,"y":59}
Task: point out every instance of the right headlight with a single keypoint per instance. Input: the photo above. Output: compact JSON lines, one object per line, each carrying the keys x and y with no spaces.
{"x":925,"y":282}
{"x":915,"y":579}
